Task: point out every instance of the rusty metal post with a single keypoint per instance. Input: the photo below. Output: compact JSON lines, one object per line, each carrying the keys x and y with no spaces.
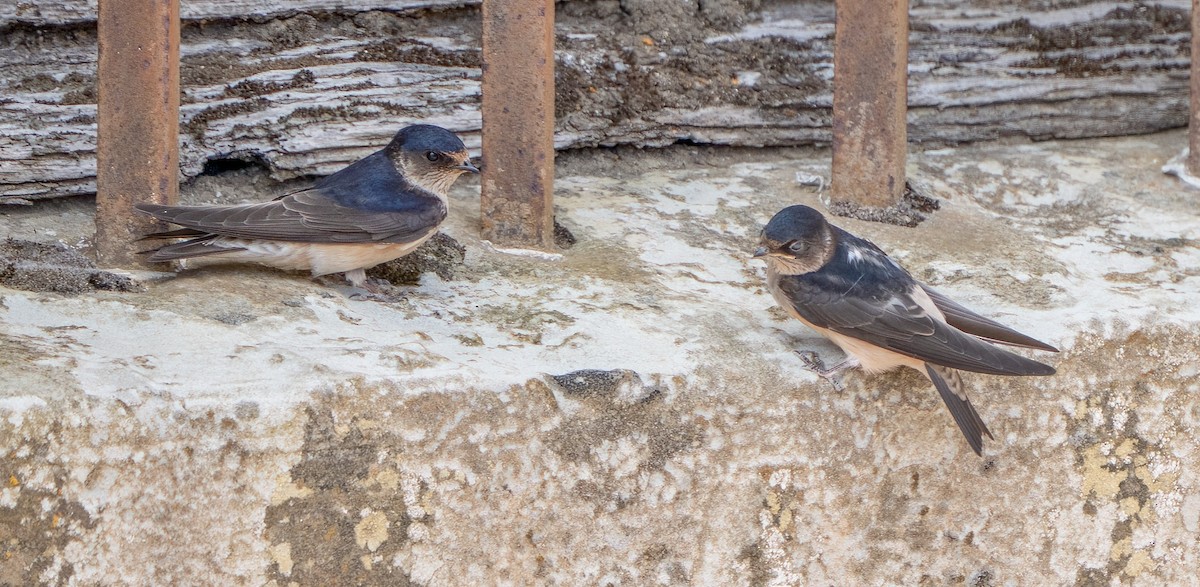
{"x":1193,"y":159}
{"x":137,"y":155}
{"x":518,"y":123}
{"x":870,"y":100}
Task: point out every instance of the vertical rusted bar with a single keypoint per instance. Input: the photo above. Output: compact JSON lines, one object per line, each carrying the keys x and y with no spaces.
{"x":137,"y":155}
{"x":1193,"y":160}
{"x":870,"y":95}
{"x":518,"y":123}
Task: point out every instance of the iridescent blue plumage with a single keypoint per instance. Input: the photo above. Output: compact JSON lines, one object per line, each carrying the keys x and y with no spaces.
{"x":849,"y":290}
{"x":376,"y":209}
{"x":373,"y":183}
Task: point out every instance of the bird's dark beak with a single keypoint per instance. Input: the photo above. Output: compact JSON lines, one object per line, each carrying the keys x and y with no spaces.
{"x":760,"y":252}
{"x":466,"y":166}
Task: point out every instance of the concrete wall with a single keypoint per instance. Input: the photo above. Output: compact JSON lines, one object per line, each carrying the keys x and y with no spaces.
{"x":249,"y":427}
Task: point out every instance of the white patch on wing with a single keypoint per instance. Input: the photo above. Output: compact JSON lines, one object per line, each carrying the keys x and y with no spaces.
{"x":923,"y":300}
{"x":859,"y":255}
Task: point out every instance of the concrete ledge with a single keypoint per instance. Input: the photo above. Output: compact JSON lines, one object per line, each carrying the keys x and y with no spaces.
{"x":238,"y":426}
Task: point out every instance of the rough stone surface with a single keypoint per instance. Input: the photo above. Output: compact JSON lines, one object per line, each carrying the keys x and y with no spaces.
{"x":632,"y":414}
{"x":55,"y":267}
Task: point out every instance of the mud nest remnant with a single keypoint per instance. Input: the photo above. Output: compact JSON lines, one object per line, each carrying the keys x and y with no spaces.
{"x":912,"y":209}
{"x":33,"y":266}
{"x":440,"y":255}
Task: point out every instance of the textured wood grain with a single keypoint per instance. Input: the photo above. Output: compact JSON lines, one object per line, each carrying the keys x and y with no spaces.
{"x":71,"y":12}
{"x":306,"y":87}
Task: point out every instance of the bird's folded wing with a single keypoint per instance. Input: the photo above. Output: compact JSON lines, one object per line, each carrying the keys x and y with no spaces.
{"x":177,"y":233}
{"x":308,"y":216}
{"x":972,"y":323}
{"x":898,"y":323}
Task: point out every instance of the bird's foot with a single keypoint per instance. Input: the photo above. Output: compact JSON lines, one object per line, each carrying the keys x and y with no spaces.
{"x":366,"y":296}
{"x":377,"y":290}
{"x":365,"y":288}
{"x":833,"y":374}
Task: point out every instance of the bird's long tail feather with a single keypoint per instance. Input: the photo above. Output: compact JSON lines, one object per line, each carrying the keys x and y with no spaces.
{"x":950,"y":385}
{"x":197,"y":247}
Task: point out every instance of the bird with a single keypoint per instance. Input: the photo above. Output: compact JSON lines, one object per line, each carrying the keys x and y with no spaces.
{"x":849,"y":290}
{"x":378,"y":208}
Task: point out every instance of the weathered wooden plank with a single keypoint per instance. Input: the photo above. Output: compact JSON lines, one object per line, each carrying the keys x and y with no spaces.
{"x":304,"y":95}
{"x":77,"y":12}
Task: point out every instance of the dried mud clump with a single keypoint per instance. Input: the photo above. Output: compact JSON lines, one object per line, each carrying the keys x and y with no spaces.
{"x":563,"y":237}
{"x":912,"y":209}
{"x":57,"y":268}
{"x":439,"y":255}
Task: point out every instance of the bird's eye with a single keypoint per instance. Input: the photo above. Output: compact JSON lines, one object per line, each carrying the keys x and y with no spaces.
{"x":432,"y":156}
{"x":796,"y":246}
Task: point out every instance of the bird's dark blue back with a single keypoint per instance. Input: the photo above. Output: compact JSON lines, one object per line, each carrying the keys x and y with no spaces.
{"x":858,"y":268}
{"x":861,"y":293}
{"x":373,"y":183}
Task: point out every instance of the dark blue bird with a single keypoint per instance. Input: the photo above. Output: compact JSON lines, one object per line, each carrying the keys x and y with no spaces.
{"x":377,"y":209}
{"x":853,"y":293}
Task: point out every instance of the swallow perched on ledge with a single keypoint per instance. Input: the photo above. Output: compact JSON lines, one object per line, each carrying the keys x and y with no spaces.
{"x":850,"y":291}
{"x":377,"y":209}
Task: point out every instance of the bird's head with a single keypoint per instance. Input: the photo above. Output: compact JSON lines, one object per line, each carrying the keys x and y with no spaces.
{"x":796,"y":240}
{"x":430,"y":156}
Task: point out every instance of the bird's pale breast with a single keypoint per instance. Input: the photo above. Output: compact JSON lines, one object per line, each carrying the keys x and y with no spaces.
{"x":319,"y":258}
{"x":335,"y":258}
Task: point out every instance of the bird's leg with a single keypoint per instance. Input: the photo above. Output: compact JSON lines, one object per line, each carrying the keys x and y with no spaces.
{"x":833,"y":374}
{"x":379,"y":290}
{"x":357,"y":278}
